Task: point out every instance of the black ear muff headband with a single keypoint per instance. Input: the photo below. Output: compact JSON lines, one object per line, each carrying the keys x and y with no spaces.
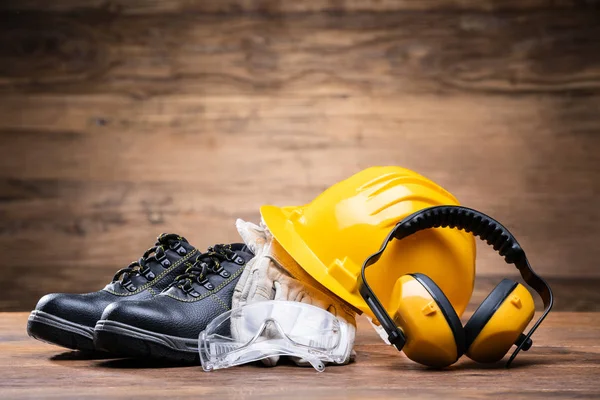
{"x":469,"y":220}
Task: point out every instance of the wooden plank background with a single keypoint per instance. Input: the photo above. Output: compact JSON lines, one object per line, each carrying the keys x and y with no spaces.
{"x":123,"y":119}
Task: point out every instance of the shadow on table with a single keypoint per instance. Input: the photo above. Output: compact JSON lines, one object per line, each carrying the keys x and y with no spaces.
{"x":142,"y":363}
{"x":77,"y":355}
{"x":501,"y":365}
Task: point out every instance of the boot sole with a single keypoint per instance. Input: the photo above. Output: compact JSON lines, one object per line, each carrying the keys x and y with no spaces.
{"x":130,"y":341}
{"x":58,"y":331}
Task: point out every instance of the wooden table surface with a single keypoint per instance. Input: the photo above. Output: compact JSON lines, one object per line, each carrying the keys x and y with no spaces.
{"x":564,"y":363}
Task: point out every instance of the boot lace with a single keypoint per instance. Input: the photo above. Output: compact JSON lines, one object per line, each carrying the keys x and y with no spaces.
{"x":156,"y":253}
{"x":206,"y":264}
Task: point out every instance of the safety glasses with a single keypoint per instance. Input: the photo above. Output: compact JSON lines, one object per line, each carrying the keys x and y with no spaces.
{"x":273,"y":328}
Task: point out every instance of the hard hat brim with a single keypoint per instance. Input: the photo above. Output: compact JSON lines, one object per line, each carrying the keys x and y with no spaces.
{"x":278,"y":221}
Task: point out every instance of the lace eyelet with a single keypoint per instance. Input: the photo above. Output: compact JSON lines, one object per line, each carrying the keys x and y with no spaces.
{"x":130,"y":286}
{"x":239,"y":260}
{"x":205,"y":282}
{"x":161,"y":257}
{"x":189,"y":290}
{"x":225,"y":274}
{"x":149,"y":275}
{"x":177,"y":247}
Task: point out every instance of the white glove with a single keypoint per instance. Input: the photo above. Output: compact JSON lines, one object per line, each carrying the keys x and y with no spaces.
{"x":274,"y":275}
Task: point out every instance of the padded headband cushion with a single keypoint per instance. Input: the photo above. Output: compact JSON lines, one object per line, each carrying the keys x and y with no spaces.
{"x":444,"y":304}
{"x":487,"y":228}
{"x":488,"y":307}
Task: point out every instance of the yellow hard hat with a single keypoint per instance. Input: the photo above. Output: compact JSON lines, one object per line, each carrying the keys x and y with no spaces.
{"x":333,"y":235}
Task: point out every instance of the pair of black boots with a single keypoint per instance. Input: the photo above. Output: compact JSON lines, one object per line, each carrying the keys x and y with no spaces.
{"x":156,"y":307}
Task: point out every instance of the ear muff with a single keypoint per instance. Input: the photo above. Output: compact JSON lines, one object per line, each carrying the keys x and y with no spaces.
{"x":434,"y":333}
{"x":496,"y":326}
{"x":498,"y":322}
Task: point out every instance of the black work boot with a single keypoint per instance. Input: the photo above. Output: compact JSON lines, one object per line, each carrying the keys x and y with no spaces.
{"x":167,"y":327}
{"x":68,"y":320}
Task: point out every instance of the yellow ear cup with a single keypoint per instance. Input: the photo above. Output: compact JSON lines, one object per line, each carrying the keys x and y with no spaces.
{"x":497,"y":323}
{"x":434,"y":334}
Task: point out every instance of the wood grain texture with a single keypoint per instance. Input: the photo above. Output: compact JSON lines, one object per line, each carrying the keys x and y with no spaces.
{"x":275,"y":7}
{"x":316,"y":53}
{"x":121,"y":120}
{"x":564,"y":363}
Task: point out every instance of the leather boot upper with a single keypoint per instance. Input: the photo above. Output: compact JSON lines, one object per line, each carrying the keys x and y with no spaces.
{"x":141,"y":280}
{"x":193,"y":300}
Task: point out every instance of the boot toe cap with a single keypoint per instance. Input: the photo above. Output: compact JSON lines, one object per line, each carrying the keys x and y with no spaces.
{"x":154,"y":316}
{"x":71,"y":307}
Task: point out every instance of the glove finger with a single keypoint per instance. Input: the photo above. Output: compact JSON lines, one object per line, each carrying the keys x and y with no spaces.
{"x":257,"y":290}
{"x":288,"y":288}
{"x":304,"y":296}
{"x":262,"y":281}
{"x":253,"y":235}
{"x":280,"y":291}
{"x":242,"y":288}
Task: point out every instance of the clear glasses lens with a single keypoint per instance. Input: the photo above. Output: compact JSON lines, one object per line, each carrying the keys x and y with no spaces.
{"x":272,"y":328}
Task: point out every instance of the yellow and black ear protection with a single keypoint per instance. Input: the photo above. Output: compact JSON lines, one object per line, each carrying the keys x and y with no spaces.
{"x":426,"y":325}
